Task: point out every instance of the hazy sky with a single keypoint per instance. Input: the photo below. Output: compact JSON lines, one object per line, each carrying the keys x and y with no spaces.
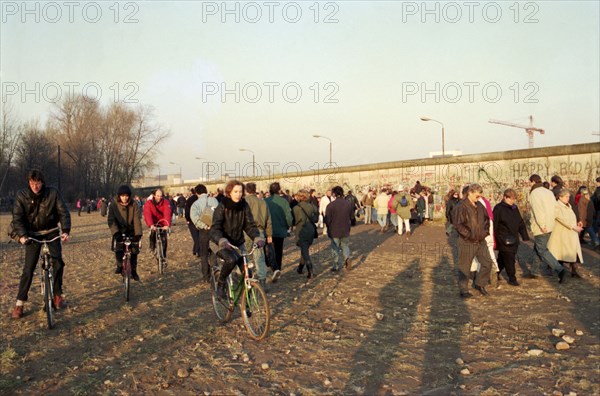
{"x":266,"y":76}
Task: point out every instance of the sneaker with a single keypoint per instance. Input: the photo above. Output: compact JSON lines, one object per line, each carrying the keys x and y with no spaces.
{"x":119,"y":270}
{"x":514,"y":283}
{"x":59,"y":302}
{"x":17,"y":312}
{"x":276,"y":276}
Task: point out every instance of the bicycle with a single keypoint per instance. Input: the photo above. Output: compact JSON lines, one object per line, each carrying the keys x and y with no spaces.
{"x":47,"y":284}
{"x":126,"y":267}
{"x":253,"y":305}
{"x":159,"y":252}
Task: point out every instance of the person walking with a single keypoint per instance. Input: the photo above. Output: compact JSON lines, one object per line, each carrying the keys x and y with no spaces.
{"x":564,"y":241}
{"x":38,"y":209}
{"x":262,"y":218}
{"x":367,"y":203}
{"x":191,"y":227}
{"x":472,"y":222}
{"x":543,"y":204}
{"x":402,"y":204}
{"x":281,"y":221}
{"x":508,"y":225}
{"x":202,"y":225}
{"x":381,"y":206}
{"x":305,"y":216}
{"x":339,"y":220}
{"x":586,"y":215}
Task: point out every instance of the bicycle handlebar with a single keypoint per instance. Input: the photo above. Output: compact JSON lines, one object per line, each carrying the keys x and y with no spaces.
{"x":44,"y":240}
{"x":239,"y":251}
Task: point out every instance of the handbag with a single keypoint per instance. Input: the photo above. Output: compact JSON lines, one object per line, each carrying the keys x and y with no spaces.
{"x":315,"y":232}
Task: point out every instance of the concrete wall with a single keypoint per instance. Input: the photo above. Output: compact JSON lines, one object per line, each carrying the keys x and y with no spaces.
{"x":576,"y":164}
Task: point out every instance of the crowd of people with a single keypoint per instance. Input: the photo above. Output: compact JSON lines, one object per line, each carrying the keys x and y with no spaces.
{"x":241,"y":216}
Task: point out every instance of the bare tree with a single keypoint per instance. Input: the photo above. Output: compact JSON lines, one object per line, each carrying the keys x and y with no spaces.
{"x":10,"y":131}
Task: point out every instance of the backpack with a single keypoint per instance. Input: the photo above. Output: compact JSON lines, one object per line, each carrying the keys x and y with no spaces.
{"x":404,"y":201}
{"x":207,"y":215}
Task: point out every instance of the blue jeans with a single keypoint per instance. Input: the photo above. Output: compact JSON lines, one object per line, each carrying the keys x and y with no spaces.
{"x":593,"y":236}
{"x":341,"y":251}
{"x":258,"y":256}
{"x":394,"y":219}
{"x":541,"y":248}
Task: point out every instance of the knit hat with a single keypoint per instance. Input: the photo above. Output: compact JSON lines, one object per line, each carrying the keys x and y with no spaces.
{"x":124,"y":190}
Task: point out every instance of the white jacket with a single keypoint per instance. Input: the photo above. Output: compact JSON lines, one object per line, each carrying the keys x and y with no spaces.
{"x":542,"y":202}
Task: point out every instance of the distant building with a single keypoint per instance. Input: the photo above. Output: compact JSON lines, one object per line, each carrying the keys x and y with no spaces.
{"x":447,"y":153}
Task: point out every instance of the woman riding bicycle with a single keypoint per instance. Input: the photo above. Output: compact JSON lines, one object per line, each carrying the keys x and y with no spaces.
{"x":157,"y":213}
{"x":230,"y":220}
{"x":124,"y":219}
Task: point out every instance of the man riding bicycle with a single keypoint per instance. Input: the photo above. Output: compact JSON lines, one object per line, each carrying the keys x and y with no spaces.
{"x":157,"y":213}
{"x":40,"y":208}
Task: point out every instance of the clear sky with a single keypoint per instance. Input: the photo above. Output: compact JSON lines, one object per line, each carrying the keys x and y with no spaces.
{"x":268,"y":75}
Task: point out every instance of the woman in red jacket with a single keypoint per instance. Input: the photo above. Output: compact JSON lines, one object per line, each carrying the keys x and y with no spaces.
{"x":157,"y":213}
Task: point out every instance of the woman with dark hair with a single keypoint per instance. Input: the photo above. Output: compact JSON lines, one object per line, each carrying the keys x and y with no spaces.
{"x":124,"y":219}
{"x":306,"y":215}
{"x":232,"y":217}
{"x":508,"y":224}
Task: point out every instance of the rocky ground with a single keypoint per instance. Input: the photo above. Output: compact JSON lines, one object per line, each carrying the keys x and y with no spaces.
{"x":393,"y":325}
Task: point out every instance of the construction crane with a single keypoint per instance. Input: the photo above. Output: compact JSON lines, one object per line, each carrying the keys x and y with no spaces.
{"x":529,"y":129}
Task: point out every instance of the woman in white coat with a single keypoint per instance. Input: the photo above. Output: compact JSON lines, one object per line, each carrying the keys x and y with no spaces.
{"x":564,"y":241}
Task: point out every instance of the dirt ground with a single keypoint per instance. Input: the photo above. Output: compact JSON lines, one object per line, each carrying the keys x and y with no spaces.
{"x":393,"y":325}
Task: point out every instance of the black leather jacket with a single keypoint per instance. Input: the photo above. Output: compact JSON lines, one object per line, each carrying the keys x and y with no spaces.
{"x":230,"y":220}
{"x":40,"y":212}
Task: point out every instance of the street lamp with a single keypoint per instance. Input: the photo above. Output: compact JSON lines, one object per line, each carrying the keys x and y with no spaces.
{"x":330,"y":147}
{"x":253,"y":167}
{"x":180,"y":178}
{"x":431,"y":119}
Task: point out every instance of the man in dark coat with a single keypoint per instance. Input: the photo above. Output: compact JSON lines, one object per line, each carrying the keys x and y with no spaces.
{"x":39,"y":209}
{"x":338,"y":218}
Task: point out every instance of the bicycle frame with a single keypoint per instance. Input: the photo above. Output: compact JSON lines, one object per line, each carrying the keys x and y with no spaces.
{"x":47,"y":273}
{"x":244,"y":280}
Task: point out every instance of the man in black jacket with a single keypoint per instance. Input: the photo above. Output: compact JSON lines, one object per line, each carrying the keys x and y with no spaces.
{"x":193,"y":230}
{"x":338,"y":217}
{"x":471,"y":221}
{"x":39,"y":208}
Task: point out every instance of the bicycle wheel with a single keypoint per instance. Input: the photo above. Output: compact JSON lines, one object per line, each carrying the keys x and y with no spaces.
{"x":126,"y":277}
{"x":255,"y":311}
{"x":160,"y":259}
{"x":223,"y":308}
{"x":48,"y":297}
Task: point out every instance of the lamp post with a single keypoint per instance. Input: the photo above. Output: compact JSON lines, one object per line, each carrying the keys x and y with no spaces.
{"x":330,"y":147}
{"x":180,"y":178}
{"x":431,"y":119}
{"x":253,"y":163}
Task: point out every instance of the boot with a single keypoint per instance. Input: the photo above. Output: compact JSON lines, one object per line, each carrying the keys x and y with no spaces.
{"x":134,"y":274}
{"x":574,"y":268}
{"x":309,"y":268}
{"x":300,"y":269}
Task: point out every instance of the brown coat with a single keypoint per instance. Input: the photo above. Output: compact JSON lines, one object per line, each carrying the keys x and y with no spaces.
{"x":564,"y":241}
{"x":586,"y":211}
